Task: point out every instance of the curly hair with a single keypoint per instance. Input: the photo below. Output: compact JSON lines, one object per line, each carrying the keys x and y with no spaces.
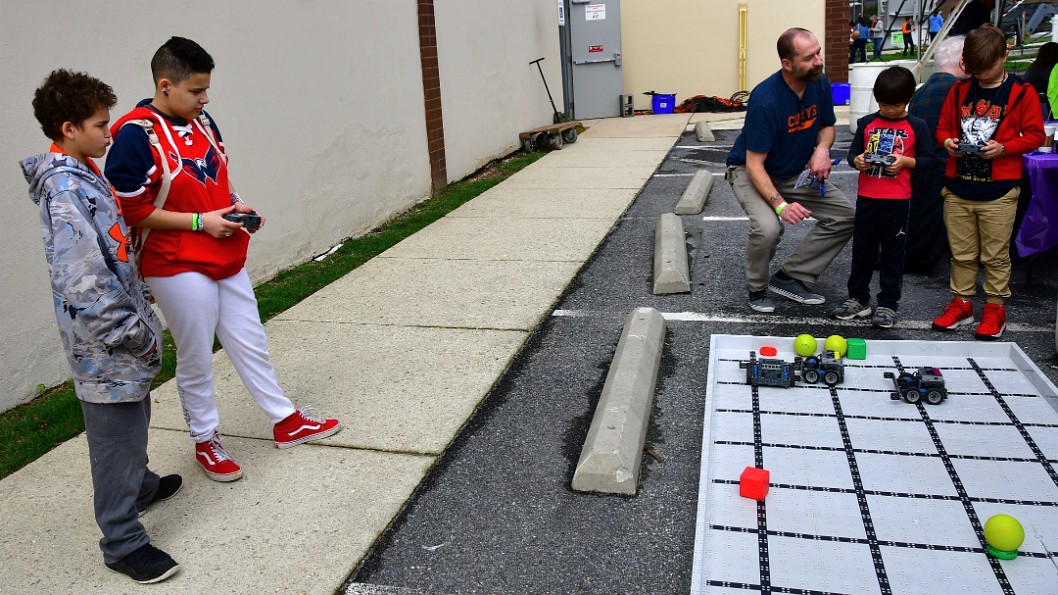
{"x":67,"y":96}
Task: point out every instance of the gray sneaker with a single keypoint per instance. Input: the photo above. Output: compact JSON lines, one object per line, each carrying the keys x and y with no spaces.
{"x":852,"y":308}
{"x":760,"y":302}
{"x":883,"y":318}
{"x":795,"y":290}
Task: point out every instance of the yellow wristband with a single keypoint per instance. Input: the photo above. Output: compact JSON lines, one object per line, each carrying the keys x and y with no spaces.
{"x":778,"y":209}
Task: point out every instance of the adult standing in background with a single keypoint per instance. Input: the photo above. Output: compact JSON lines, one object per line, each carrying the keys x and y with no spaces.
{"x":927,"y":239}
{"x":935,"y":23}
{"x":909,"y":41}
{"x":1039,"y":72}
{"x":789,"y":128}
{"x":877,"y":36}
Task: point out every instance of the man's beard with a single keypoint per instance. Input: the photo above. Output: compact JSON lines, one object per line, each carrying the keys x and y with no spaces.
{"x":812,"y":75}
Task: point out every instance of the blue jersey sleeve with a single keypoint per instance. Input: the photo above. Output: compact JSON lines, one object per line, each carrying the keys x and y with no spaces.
{"x":129,"y":160}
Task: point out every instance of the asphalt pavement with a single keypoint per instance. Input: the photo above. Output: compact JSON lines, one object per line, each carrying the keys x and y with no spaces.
{"x":497,"y":515}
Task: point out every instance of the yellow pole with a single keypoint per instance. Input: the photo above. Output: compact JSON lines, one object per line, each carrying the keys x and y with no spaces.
{"x":743,"y":12}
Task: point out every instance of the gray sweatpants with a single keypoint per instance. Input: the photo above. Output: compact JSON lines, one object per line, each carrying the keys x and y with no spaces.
{"x":122,"y":483}
{"x":834,"y":217}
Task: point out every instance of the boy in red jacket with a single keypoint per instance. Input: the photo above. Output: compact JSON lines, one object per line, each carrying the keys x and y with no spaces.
{"x":988,"y":121}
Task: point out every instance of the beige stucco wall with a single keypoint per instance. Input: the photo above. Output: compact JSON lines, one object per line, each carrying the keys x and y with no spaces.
{"x":696,"y":52}
{"x":489,"y":92}
{"x":320,"y":103}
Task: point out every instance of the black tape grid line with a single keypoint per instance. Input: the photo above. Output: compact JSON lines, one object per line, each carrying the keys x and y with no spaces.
{"x":960,"y":489}
{"x":878,"y":451}
{"x":958,"y":422}
{"x":764,"y":562}
{"x":881,"y":542}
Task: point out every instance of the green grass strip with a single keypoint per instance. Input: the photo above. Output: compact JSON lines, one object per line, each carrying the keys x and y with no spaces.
{"x":29,"y":431}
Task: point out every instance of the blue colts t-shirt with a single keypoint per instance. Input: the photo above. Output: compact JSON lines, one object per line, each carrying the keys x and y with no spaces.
{"x":784,"y":126}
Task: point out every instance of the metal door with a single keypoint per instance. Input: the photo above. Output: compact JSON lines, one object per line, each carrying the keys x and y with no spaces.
{"x":595,"y":52}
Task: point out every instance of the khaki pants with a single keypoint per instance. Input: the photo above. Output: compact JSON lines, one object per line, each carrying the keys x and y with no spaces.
{"x":834,"y":217}
{"x":979,"y":234}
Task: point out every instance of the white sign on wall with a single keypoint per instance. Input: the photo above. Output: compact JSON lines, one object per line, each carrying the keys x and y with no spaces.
{"x":561,"y":14}
{"x":595,"y":12}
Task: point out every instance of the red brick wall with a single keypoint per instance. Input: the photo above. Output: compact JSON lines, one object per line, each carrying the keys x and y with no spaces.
{"x":431,"y":86}
{"x":836,"y":46}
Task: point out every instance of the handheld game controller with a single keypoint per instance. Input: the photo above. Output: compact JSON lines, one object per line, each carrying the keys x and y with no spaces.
{"x":249,"y":220}
{"x":879,"y":159}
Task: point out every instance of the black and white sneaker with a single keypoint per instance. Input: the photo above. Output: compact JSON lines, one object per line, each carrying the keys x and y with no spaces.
{"x":146,"y":565}
{"x":795,"y":290}
{"x":760,"y":302}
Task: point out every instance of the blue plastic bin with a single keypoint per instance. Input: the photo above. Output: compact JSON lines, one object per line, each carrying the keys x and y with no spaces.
{"x":840,"y":93}
{"x":662,"y":103}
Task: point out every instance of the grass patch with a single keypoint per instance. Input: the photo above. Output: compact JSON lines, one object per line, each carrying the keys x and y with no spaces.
{"x":29,"y":431}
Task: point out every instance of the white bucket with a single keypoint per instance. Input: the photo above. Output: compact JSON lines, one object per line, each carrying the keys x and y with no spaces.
{"x":861,"y":87}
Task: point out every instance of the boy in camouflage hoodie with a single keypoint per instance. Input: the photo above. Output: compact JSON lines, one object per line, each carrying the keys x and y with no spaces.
{"x":111,"y":335}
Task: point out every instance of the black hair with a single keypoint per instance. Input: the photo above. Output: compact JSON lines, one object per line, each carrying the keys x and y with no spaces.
{"x":894,"y":85}
{"x":67,"y":96}
{"x":1046,"y":58}
{"x":178,"y":58}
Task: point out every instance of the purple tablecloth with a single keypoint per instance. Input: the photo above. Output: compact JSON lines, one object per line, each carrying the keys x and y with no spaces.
{"x":1039,"y":228}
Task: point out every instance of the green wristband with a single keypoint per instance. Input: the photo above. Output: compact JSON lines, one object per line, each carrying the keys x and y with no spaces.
{"x":778,"y":209}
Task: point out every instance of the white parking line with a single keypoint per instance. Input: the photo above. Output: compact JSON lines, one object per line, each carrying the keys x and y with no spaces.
{"x":771,"y":319}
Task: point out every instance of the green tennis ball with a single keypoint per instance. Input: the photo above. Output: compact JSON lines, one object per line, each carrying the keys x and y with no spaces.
{"x":805,"y":345}
{"x":836,"y":343}
{"x":1004,"y":532}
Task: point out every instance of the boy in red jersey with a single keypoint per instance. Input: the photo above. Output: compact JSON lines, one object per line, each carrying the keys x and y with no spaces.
{"x":986,"y":124}
{"x":193,"y":258}
{"x":887,"y":145}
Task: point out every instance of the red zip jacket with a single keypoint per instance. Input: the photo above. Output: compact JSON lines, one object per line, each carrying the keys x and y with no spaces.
{"x":1020,"y":129}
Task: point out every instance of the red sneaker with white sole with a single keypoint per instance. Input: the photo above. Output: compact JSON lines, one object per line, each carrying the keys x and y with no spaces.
{"x":958,"y":313}
{"x":303,"y":426}
{"x":993,"y":323}
{"x":215,"y":461}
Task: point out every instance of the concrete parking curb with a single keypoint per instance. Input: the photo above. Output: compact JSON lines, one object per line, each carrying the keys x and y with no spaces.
{"x":671,"y":273}
{"x":613,"y":450}
{"x":703,"y":132}
{"x":696,"y":195}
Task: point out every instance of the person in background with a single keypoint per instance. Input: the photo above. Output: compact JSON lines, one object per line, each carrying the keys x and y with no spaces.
{"x":1038,"y":73}
{"x":986,"y":124}
{"x":927,"y":240}
{"x":877,"y":36}
{"x":909,"y":41}
{"x":936,"y":22}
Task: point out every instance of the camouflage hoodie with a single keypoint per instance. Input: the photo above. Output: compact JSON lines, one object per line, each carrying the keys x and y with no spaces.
{"x":105,"y":321}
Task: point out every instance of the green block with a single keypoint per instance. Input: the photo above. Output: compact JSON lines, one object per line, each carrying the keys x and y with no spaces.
{"x":857,"y":349}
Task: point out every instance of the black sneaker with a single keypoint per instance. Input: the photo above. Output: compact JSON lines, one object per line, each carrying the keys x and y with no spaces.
{"x":146,"y":565}
{"x":168,"y":487}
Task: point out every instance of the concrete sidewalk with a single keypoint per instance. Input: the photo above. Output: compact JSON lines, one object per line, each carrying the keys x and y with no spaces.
{"x":402,"y":350}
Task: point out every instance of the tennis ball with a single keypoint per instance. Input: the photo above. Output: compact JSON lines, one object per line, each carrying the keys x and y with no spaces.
{"x":805,"y":345}
{"x":836,"y":343}
{"x":1004,"y":533}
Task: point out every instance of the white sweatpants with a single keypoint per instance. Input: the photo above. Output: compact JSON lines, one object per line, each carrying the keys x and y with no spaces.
{"x":197,"y":307}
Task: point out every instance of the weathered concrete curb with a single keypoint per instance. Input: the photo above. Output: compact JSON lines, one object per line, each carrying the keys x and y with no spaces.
{"x":671,"y":274}
{"x":613,"y":450}
{"x":696,"y":195}
{"x":703,"y":132}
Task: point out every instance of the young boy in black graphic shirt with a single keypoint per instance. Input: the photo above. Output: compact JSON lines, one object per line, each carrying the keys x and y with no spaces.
{"x":986,"y":124}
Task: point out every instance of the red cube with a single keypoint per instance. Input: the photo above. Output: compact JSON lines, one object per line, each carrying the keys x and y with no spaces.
{"x":753,"y":483}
